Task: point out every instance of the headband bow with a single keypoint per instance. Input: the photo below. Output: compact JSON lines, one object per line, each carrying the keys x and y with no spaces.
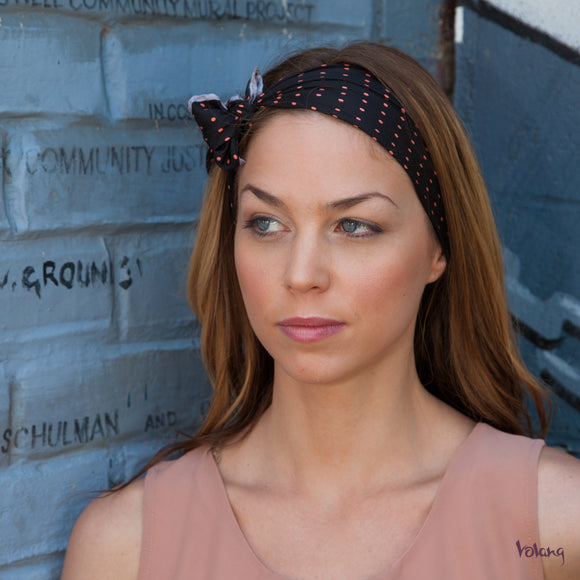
{"x":222,"y":125}
{"x":343,"y":91}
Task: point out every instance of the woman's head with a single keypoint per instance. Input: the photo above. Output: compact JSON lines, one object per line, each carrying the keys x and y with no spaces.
{"x":463,"y":344}
{"x":333,"y":250}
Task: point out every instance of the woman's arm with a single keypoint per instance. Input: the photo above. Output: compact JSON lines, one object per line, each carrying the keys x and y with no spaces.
{"x":559,"y":514}
{"x":105,"y":543}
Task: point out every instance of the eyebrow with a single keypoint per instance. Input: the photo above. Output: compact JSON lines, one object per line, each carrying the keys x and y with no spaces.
{"x":263,"y":195}
{"x":356,"y":199}
{"x":345,"y":203}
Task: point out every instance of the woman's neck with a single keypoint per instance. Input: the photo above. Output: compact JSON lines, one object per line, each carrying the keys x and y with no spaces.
{"x":345,"y":436}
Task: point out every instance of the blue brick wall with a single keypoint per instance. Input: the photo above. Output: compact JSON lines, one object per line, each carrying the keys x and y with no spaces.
{"x":101,"y":180}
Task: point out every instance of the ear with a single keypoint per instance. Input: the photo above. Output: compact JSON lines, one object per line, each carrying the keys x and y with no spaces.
{"x":438,"y":264}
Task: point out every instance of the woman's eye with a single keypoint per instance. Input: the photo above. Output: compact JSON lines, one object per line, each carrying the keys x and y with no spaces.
{"x":358,"y":228}
{"x":262,"y":225}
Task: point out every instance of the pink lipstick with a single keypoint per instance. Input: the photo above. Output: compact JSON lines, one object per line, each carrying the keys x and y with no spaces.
{"x":310,"y":329}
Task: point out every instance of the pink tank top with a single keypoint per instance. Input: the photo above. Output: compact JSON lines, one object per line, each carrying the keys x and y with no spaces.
{"x":485,"y":505}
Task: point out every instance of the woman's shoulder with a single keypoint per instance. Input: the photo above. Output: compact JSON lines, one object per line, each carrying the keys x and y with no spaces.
{"x":559,"y":512}
{"x":106,"y":540}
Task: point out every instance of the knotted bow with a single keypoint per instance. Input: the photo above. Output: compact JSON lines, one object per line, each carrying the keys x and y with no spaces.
{"x":222,"y":125}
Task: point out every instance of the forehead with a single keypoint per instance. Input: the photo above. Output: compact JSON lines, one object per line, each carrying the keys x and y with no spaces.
{"x":306,"y":151}
{"x":309,"y":132}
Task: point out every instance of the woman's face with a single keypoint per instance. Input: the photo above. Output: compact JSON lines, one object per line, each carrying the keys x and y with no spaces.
{"x":332,"y":248}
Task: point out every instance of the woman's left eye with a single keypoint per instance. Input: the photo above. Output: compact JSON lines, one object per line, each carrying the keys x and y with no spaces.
{"x":358,"y":228}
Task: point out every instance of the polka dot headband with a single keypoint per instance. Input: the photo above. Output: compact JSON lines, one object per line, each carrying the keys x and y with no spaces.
{"x":343,"y":91}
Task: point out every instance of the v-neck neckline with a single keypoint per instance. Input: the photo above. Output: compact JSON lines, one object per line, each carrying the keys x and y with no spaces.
{"x":227,"y":509}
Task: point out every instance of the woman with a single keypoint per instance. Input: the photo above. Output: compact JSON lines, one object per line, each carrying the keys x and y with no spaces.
{"x":368,"y":411}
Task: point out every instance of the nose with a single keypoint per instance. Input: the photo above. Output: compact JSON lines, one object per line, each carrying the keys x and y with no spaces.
{"x":308,"y":265}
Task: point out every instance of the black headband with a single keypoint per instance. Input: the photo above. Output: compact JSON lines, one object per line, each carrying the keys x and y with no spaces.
{"x":343,"y":91}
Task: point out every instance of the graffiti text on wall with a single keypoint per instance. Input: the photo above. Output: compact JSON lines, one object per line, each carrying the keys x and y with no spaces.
{"x":261,"y":10}
{"x":108,"y":160}
{"x":61,"y":433}
{"x":67,"y":275}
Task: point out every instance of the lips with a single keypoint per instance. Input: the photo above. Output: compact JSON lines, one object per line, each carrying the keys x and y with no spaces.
{"x":310,"y":329}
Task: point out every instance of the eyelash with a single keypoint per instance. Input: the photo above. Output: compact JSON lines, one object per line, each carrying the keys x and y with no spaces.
{"x":371,"y":228}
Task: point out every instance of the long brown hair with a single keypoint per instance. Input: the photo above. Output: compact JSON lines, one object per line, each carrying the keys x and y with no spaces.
{"x":465,"y":348}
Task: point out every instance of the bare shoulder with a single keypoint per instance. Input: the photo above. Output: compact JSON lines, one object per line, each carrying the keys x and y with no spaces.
{"x":106,"y":540}
{"x":559,"y":512}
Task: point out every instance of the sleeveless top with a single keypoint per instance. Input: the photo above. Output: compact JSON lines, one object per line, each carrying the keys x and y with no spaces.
{"x":483,"y":516}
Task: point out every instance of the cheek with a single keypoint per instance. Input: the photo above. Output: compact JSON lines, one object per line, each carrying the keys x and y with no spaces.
{"x":394,"y":284}
{"x":253,"y":277}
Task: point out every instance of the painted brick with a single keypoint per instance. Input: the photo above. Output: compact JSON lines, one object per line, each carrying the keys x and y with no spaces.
{"x":119,"y":392}
{"x":411,"y":26}
{"x":270,"y":11}
{"x":36,"y":77}
{"x":53,"y":286}
{"x":204,"y":57}
{"x":157,"y":307}
{"x":48,"y":500}
{"x":4,"y":404}
{"x":70,"y":177}
{"x":4,"y":224}
{"x":42,"y":568}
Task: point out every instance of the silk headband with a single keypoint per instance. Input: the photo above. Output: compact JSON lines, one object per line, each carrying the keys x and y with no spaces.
{"x":345,"y":92}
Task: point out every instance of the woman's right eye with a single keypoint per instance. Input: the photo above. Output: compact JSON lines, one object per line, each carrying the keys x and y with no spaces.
{"x":263,"y":225}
